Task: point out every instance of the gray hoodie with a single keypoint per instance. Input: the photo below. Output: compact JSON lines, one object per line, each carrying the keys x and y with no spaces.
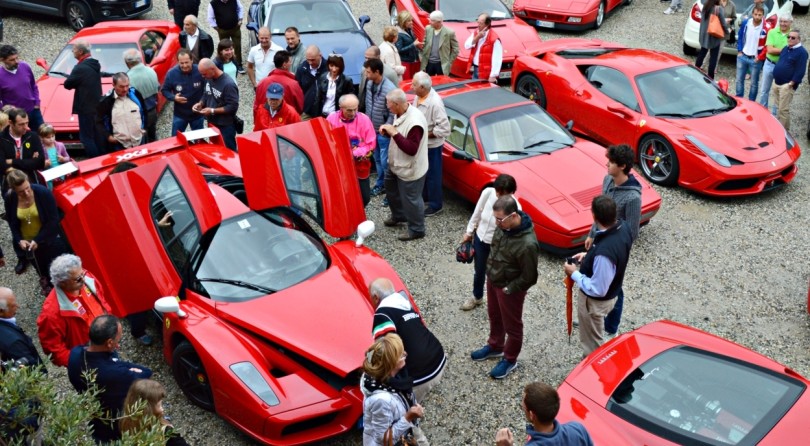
{"x":628,"y":202}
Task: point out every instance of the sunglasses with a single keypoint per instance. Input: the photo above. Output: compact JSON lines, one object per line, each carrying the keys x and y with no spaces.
{"x":81,"y":277}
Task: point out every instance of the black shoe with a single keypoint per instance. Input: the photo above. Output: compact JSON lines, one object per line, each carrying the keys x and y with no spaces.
{"x":430,"y":212}
{"x":22,"y":265}
{"x":390,"y":222}
{"x":407,"y":236}
{"x":377,"y":191}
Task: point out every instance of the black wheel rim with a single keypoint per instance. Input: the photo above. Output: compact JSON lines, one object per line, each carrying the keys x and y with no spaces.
{"x":192,"y":379}
{"x":530,"y":88}
{"x":657,"y":160}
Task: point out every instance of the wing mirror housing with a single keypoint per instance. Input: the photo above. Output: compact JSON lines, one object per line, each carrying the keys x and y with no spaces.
{"x":43,"y":63}
{"x":363,"y":19}
{"x":723,"y":84}
{"x":170,"y":304}
{"x":569,"y":125}
{"x":252,"y":26}
{"x":462,"y":155}
{"x":364,"y":230}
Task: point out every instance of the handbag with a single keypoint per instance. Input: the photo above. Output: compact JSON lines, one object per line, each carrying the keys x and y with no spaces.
{"x":465,"y":252}
{"x":239,"y":123}
{"x":716,"y":29}
{"x":406,"y":439}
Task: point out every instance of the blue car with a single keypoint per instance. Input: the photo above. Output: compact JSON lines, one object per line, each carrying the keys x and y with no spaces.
{"x":329,"y":24}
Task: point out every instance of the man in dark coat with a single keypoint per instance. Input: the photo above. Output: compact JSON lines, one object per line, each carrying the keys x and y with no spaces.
{"x":194,"y":39}
{"x":179,"y":9}
{"x":15,"y":345}
{"x":307,"y":76}
{"x":86,"y":80}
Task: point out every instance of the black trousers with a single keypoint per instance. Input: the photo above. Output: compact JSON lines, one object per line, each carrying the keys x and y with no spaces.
{"x":434,"y":69}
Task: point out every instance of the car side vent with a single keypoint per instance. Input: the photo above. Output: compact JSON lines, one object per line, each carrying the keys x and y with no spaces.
{"x":763,"y":144}
{"x":584,"y":197}
{"x":750,"y":148}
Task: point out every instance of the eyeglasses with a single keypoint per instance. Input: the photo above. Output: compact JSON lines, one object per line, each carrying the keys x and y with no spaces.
{"x":501,"y":220}
{"x":81,"y":277}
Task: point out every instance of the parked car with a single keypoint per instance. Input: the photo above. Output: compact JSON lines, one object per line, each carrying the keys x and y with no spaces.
{"x":267,"y":324}
{"x":669,"y":384}
{"x":82,"y":13}
{"x":158,"y":41}
{"x":691,"y":31}
{"x":329,"y":24}
{"x":461,"y":16}
{"x":560,"y":14}
{"x":684,"y":128}
{"x":495,"y":131}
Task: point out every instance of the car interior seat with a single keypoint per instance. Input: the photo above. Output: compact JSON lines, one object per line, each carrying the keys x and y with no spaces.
{"x":504,"y":135}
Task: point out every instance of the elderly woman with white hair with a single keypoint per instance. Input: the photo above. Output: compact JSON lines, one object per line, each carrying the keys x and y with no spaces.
{"x":69,"y":309}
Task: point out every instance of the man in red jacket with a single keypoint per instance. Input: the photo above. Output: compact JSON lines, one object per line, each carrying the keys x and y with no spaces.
{"x":486,"y":51}
{"x":276,"y":112}
{"x":69,"y":309}
{"x":293,"y":94}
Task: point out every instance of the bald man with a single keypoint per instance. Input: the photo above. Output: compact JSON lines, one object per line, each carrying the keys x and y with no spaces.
{"x":260,"y":57}
{"x":307,"y":76}
{"x":220,"y":101}
{"x":395,"y":314}
{"x":15,"y":345}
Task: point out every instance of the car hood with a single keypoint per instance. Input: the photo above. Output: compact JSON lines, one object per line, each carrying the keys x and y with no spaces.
{"x":351,"y":45}
{"x":516,"y":37}
{"x":57,"y":102}
{"x":570,"y":6}
{"x":326,"y":319}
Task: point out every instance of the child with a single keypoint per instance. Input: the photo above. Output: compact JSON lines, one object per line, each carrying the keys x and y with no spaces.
{"x":54,"y":150}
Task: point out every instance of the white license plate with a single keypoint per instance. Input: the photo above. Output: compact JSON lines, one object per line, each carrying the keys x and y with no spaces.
{"x":140,"y":3}
{"x":545,"y":24}
{"x":505,"y":75}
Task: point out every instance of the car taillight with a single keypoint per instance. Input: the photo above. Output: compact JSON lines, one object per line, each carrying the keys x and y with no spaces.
{"x":695,"y":13}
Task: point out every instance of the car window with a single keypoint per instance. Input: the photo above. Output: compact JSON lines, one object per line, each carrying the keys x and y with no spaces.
{"x":519,"y":132}
{"x":469,"y":10}
{"x":109,"y":55}
{"x":613,"y":83}
{"x":174,"y":220}
{"x":151,"y":43}
{"x":690,"y":396}
{"x":299,"y":180}
{"x":460,"y":133}
{"x":746,"y":6}
{"x":681,"y":92}
{"x":426,"y":5}
{"x":311,"y":17}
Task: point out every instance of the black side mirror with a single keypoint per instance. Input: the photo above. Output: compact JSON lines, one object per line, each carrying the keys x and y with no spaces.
{"x":462,"y":155}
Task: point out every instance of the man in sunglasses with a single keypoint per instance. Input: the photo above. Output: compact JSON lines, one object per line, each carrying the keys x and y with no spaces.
{"x":511,"y":271}
{"x":787,"y":75}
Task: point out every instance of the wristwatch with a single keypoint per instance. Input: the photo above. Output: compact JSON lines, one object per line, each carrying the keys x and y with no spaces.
{"x":506,"y":289}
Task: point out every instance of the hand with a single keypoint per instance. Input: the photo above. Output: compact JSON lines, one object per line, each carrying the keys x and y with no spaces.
{"x":388,"y":130}
{"x":197,"y":107}
{"x":493,"y":80}
{"x":416,"y":411}
{"x":504,"y":437}
{"x":466,"y":237}
{"x":419,"y":44}
{"x":171,"y":11}
{"x":163,"y":222}
{"x":588,"y":243}
{"x":579,"y":256}
{"x":47,"y":163}
{"x":111,"y":139}
{"x":24,"y":244}
{"x":36,"y":155}
{"x":62,"y":159}
{"x":569,"y":268}
{"x":178,"y":98}
{"x":136,"y":370}
{"x":479,"y":35}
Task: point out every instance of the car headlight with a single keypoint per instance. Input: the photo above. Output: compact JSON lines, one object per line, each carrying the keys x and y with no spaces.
{"x":520,"y":13}
{"x":574,"y":19}
{"x":790,"y":142}
{"x":718,"y":157}
{"x":254,"y":381}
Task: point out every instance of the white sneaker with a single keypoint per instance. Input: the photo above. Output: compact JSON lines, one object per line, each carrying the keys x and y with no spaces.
{"x":471,"y":303}
{"x":669,"y":11}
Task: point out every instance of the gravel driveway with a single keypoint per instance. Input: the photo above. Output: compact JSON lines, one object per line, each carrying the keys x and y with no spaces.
{"x":731,"y":267}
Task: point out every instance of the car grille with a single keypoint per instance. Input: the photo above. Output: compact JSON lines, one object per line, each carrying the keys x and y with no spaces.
{"x":309,"y":424}
{"x":546,"y":16}
{"x":585,"y":197}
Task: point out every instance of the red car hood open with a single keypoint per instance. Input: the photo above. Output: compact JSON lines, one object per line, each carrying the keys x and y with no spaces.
{"x":59,"y":112}
{"x":325,"y":319}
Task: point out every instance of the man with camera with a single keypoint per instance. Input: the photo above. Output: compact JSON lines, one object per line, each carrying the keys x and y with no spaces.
{"x":16,"y":347}
{"x":601,"y":271}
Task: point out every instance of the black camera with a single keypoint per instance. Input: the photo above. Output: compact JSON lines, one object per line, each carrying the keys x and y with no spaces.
{"x":571,"y":261}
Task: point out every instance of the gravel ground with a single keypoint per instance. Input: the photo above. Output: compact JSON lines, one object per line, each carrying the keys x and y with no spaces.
{"x":725,"y":266}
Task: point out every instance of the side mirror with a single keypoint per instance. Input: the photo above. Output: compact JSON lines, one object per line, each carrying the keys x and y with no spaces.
{"x":424,"y":17}
{"x":723,"y":84}
{"x":253,"y":26}
{"x":363,"y":19}
{"x":364,"y":230}
{"x":169,"y":304}
{"x":569,"y":125}
{"x":462,"y":155}
{"x":43,"y":63}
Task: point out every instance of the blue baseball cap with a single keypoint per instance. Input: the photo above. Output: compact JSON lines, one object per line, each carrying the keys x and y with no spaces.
{"x":275,"y":91}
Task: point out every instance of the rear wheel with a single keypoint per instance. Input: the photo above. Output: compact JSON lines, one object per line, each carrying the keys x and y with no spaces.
{"x":393,"y":13}
{"x":189,"y":372}
{"x":688,"y":50}
{"x":600,"y":15}
{"x":530,"y":88}
{"x":658,"y":160}
{"x":78,"y":15}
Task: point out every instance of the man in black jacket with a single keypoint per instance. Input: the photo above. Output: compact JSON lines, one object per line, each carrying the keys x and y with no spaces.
{"x":307,"y":76}
{"x":194,"y":39}
{"x":15,"y":345}
{"x":126,"y":129}
{"x":179,"y":9}
{"x":86,"y":80}
{"x":220,"y":101}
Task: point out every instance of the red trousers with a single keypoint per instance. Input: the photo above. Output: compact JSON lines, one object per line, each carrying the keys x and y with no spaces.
{"x":505,"y":321}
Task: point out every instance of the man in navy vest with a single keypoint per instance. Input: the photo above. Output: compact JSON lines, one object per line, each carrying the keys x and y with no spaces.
{"x":601,"y":272}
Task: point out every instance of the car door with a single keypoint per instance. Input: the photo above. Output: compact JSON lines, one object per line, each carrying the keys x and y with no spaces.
{"x":609,"y":105}
{"x":164,"y":47}
{"x":460,"y":156}
{"x":115,"y":230}
{"x":308,"y":166}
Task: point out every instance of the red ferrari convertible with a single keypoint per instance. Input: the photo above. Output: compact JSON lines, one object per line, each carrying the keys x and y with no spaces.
{"x":495,"y":131}
{"x":669,"y":384}
{"x":460,"y":16}
{"x":158,"y":41}
{"x":562,"y":14}
{"x":686,"y":130}
{"x":270,"y":322}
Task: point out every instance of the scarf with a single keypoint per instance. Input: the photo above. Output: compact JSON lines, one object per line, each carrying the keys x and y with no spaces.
{"x":400,"y":385}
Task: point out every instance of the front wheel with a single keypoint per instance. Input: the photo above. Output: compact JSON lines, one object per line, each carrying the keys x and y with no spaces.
{"x":530,"y":88}
{"x":78,"y":15}
{"x":688,"y":50}
{"x":600,"y":15}
{"x":189,"y":372}
{"x":393,"y":13}
{"x":658,"y":160}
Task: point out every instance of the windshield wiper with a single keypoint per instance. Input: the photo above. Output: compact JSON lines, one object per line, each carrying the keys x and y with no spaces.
{"x":58,"y":73}
{"x":240,"y":283}
{"x":509,"y":152}
{"x":711,"y":111}
{"x":672,"y":115}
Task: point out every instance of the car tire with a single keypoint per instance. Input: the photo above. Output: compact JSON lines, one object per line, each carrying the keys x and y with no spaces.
{"x":799,"y":9}
{"x":628,"y":2}
{"x":688,"y":50}
{"x":189,"y":372}
{"x":658,"y":160}
{"x":600,"y":15}
{"x":530,"y":88}
{"x":393,"y":13}
{"x":78,"y":15}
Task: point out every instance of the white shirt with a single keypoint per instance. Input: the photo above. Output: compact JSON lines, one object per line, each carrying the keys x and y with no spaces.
{"x":482,"y":220}
{"x":263,"y":61}
{"x":191,"y":40}
{"x":329,"y":102}
{"x":752,"y":38}
{"x":497,"y":54}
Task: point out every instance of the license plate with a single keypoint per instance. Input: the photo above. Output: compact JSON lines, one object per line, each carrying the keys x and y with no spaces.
{"x":505,"y":75}
{"x":545,"y":24}
{"x":140,"y":3}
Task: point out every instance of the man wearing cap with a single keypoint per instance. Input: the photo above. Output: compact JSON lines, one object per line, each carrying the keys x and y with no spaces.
{"x":275,"y":112}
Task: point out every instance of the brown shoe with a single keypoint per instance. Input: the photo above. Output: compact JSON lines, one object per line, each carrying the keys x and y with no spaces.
{"x":471,"y":303}
{"x":390,"y":222}
{"x":406,"y":236}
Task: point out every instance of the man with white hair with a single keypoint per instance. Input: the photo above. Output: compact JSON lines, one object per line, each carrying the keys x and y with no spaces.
{"x":15,"y":344}
{"x":407,"y":165}
{"x":441,"y":47}
{"x":145,"y":81}
{"x":85,"y":78}
{"x":438,"y":128}
{"x":197,"y":41}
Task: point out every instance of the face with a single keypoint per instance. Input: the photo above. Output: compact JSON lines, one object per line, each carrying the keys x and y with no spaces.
{"x":373,"y":75}
{"x":349,"y":109}
{"x":11,"y":62}
{"x":274,"y":104}
{"x":314,"y":60}
{"x":226,"y":54}
{"x":436,"y":24}
{"x":48,"y":141}
{"x":408,"y":24}
{"x":24,"y":192}
{"x":757,"y":16}
{"x":159,"y":408}
{"x":20,"y":125}
{"x":370,"y":54}
{"x":793,"y":38}
{"x":613,"y":169}
{"x":113,"y":344}
{"x":184,"y":61}
{"x":207,"y":73}
{"x":395,"y":107}
{"x":502,"y":220}
{"x":122,"y":87}
{"x":189,"y":27}
{"x":76,"y":52}
{"x":400,"y":363}
{"x":11,"y":303}
{"x":334,"y":70}
{"x":74,"y":282}
{"x":264,"y":38}
{"x":482,"y":24}
{"x":784,"y":25}
{"x":292,"y":38}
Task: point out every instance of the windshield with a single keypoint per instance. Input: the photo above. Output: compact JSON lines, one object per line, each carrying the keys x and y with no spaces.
{"x":311,"y":17}
{"x":258,"y":253}
{"x":682,"y":92}
{"x":691,"y":396}
{"x":109,"y":55}
{"x":520,"y":132}
{"x":469,"y":10}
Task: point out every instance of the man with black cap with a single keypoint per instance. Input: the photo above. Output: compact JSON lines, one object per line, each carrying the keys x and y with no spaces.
{"x":275,"y":112}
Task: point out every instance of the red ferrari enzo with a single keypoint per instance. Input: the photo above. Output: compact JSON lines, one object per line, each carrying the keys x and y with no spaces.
{"x":495,"y":131}
{"x":460,"y":16}
{"x":270,"y":322}
{"x":684,"y":128}
{"x":669,"y":384}
{"x":158,"y":41}
{"x":562,"y":14}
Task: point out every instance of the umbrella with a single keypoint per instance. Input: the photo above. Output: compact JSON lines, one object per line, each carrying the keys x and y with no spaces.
{"x":569,"y":304}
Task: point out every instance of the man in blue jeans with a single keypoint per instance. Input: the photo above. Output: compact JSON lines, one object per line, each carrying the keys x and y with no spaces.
{"x":750,"y":42}
{"x":373,"y":104}
{"x":184,"y":86}
{"x":431,"y":105}
{"x":776,"y":40}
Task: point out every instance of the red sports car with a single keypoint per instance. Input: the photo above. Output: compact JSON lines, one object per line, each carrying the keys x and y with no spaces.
{"x":271,"y":322}
{"x":685,"y":129}
{"x":158,"y":41}
{"x":562,"y":14}
{"x":668,"y":384}
{"x":495,"y":131}
{"x":460,"y":16}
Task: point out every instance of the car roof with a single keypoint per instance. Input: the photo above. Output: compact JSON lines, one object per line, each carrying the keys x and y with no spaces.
{"x":470,"y":101}
{"x":118,"y":32}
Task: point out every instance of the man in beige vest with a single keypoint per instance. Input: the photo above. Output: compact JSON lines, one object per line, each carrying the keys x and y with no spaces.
{"x":407,"y":165}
